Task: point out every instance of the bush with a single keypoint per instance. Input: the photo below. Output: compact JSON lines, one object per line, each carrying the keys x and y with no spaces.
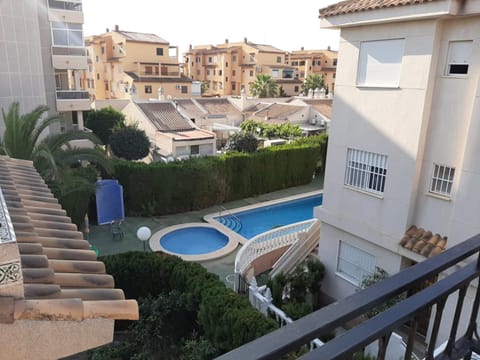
{"x":296,"y":309}
{"x":130,"y":143}
{"x":198,"y":183}
{"x":243,"y":142}
{"x":224,"y":318}
{"x":102,"y":122}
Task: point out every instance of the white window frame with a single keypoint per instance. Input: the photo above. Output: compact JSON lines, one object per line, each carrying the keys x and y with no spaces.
{"x":442,"y":180}
{"x":73,"y":34}
{"x":459,"y":54}
{"x":366,"y":171}
{"x":353,"y":263}
{"x":380,"y":63}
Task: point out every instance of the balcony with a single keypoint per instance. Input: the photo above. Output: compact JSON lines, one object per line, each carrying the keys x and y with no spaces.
{"x":72,"y":100}
{"x":64,"y":57}
{"x":68,"y":11}
{"x":453,"y":300}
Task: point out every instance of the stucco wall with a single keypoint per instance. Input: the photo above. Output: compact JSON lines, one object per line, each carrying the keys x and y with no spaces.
{"x":46,"y":340}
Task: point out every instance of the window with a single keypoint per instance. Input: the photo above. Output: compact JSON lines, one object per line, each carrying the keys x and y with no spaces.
{"x":234,"y":72}
{"x":65,"y":5}
{"x":198,"y":72}
{"x":234,"y":86}
{"x":275,"y":73}
{"x":226,"y":78}
{"x":279,"y":59}
{"x":380,"y":62}
{"x":148,"y":70}
{"x":98,"y":76}
{"x":148,"y":89}
{"x":197,"y":59}
{"x":294,"y":63}
{"x":208,"y":72}
{"x":97,"y":59}
{"x":66,"y":34}
{"x":220,"y":72}
{"x":366,"y":171}
{"x":296,"y":89}
{"x":159,"y":51}
{"x":103,"y":50}
{"x":194,"y":149}
{"x":251,"y":72}
{"x":334,"y":62}
{"x":354,"y":264}
{"x":459,"y":53}
{"x":234,"y":58}
{"x":288,"y":74}
{"x":226,"y":63}
{"x":184,"y":89}
{"x":106,"y":85}
{"x":210,"y":59}
{"x":442,"y":180}
{"x":302,"y":63}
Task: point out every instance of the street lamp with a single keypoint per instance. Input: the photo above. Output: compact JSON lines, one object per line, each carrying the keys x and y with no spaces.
{"x":143,"y":234}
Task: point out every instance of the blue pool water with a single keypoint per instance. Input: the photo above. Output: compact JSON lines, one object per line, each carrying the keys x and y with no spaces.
{"x":253,"y":222}
{"x":193,"y":240}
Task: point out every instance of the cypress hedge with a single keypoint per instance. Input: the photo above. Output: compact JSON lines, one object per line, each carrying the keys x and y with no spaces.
{"x":198,"y":183}
{"x":225,"y":318}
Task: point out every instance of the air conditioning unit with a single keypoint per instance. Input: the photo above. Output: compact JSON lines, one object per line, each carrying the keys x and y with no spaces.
{"x":313,"y":121}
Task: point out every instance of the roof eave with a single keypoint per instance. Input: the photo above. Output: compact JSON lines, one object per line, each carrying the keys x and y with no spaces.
{"x":430,"y":10}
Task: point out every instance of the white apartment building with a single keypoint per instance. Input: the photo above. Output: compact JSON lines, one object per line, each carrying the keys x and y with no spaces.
{"x":404,"y":141}
{"x":42,"y":54}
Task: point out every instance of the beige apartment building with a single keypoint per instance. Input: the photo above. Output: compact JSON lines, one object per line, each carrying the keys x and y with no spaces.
{"x":230,"y":67}
{"x":132,"y":65}
{"x":320,"y":62}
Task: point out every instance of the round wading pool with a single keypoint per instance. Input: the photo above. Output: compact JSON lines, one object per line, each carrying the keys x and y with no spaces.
{"x":194,"y":241}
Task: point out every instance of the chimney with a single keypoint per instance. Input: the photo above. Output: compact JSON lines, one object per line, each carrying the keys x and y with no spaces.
{"x":108,"y":30}
{"x":190,"y":47}
{"x":328,"y":48}
{"x":226,"y":41}
{"x":301,"y":48}
{"x":245,"y":40}
{"x":117,"y":28}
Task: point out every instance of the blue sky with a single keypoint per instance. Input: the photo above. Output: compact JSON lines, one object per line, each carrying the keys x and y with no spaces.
{"x":212,"y":21}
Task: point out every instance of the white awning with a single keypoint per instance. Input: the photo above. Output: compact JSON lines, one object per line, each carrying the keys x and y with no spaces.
{"x":223,"y":127}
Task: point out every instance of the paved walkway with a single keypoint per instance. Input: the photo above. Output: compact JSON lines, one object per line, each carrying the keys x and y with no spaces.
{"x":102,"y":239}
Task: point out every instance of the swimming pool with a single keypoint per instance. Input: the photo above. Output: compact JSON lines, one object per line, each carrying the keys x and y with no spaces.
{"x":252,"y":222}
{"x":193,"y":240}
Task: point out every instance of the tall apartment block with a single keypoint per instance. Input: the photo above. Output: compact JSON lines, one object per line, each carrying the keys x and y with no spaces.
{"x":41,"y":57}
{"x":230,"y":67}
{"x":320,"y":62}
{"x":124,"y":65}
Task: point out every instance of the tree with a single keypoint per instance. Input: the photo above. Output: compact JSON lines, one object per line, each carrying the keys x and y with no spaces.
{"x":204,"y":87}
{"x":264,"y":86}
{"x":130,"y":143}
{"x":104,"y":122}
{"x":312,"y":82}
{"x":53,"y":156}
{"x":245,"y":142}
{"x":314,"y":277}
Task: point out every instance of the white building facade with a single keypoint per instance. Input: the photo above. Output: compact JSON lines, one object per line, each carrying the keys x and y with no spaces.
{"x":404,"y":140}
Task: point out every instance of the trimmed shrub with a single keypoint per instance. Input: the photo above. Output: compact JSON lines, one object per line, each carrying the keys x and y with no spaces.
{"x":130,"y":143}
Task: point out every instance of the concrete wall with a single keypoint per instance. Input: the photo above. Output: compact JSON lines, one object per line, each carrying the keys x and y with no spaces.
{"x":21,"y":57}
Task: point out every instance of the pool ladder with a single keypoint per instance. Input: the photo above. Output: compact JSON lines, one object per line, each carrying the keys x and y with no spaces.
{"x":234,"y":222}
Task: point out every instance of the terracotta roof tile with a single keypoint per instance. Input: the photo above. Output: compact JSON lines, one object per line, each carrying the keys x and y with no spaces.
{"x":218,"y":106}
{"x":142,"y":37}
{"x":164,"y":116}
{"x":352,"y":6}
{"x":56,"y":261}
{"x":423,"y":242}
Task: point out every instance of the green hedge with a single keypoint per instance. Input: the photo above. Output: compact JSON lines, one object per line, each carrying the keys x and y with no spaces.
{"x":198,"y":183}
{"x":224,"y":317}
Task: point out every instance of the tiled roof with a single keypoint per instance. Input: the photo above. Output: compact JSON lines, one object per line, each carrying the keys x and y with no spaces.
{"x":190,"y":108}
{"x":352,"y":6}
{"x":324,"y":106}
{"x":164,"y":116}
{"x":278,"y":111}
{"x":423,"y":242}
{"x":142,"y":37}
{"x":196,"y":134}
{"x":62,"y":278}
{"x":218,"y":106}
{"x":264,"y":47}
{"x":180,"y":79}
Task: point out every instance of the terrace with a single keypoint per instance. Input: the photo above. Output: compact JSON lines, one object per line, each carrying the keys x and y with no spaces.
{"x":459,"y":279}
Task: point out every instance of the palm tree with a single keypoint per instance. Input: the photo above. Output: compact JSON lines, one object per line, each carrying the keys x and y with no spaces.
{"x":53,"y":155}
{"x":264,"y":86}
{"x":312,"y":82}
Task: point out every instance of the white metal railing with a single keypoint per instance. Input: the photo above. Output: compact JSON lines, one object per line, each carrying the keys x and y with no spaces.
{"x":267,"y":242}
{"x":261,"y":299}
{"x":6,"y":228}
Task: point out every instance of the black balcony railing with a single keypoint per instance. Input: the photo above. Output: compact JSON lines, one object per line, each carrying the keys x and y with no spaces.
{"x":72,"y":95}
{"x":457,"y":275}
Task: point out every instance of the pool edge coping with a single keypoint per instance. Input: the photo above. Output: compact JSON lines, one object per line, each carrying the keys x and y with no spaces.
{"x":233,"y":242}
